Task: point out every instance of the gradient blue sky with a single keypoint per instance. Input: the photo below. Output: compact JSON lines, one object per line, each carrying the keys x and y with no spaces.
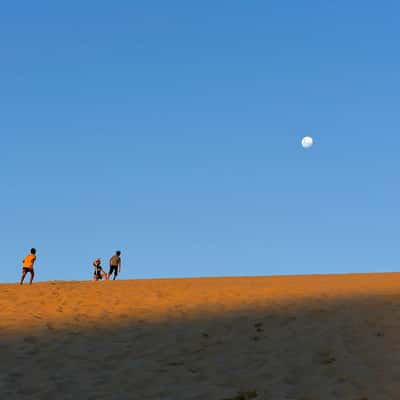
{"x":171,"y":130}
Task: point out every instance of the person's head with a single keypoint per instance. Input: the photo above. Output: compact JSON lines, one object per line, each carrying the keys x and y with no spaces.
{"x":33,"y":251}
{"x":98,"y":261}
{"x":118,"y":253}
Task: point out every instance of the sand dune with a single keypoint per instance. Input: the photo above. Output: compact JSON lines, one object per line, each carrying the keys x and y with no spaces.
{"x":296,"y":337}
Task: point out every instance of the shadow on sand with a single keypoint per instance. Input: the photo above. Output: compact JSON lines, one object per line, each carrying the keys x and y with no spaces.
{"x":330,"y":349}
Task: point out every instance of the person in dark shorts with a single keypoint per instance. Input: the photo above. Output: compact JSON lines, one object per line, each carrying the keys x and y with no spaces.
{"x":99,"y":272}
{"x":27,"y":266}
{"x":115,"y":264}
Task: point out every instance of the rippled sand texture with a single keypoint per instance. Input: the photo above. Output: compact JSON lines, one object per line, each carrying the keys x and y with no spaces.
{"x":298,"y":337}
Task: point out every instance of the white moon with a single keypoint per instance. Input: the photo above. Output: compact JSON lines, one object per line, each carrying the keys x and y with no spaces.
{"x":307,"y":142}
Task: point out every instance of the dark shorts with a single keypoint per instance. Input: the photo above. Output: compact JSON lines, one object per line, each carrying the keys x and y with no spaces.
{"x":25,"y":269}
{"x":113,"y":268}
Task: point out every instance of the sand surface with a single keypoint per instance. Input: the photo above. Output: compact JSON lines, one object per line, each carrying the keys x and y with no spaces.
{"x":297,"y":337}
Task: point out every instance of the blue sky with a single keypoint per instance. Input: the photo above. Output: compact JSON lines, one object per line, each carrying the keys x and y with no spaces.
{"x":171,"y":131}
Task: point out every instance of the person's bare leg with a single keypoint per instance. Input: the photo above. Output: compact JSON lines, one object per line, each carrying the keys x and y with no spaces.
{"x":23,"y":277}
{"x":32,"y":276}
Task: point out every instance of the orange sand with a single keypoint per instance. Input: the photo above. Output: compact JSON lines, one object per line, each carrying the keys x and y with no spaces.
{"x":297,"y":337}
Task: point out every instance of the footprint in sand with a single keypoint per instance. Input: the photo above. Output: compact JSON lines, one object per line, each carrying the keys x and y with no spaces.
{"x":50,"y":327}
{"x":201,"y":349}
{"x":258,"y":327}
{"x":252,"y":394}
{"x":79,"y":317}
{"x":30,"y":339}
{"x":32,"y":352}
{"x":329,"y":360}
{"x":326,"y":358}
{"x":175,"y":363}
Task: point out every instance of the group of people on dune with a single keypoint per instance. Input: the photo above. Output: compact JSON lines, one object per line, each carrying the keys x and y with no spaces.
{"x":98,"y":273}
{"x":115,"y":267}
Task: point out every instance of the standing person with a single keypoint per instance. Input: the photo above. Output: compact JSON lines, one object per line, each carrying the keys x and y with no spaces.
{"x":27,"y":266}
{"x":99,"y":272}
{"x":115,"y":264}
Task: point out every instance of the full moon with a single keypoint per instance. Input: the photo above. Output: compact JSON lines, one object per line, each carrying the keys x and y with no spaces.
{"x":307,"y":142}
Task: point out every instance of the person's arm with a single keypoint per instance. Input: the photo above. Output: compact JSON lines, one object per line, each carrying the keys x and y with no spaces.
{"x":119,"y":266}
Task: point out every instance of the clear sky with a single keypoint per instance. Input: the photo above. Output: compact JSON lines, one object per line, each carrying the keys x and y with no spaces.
{"x":171,"y":130}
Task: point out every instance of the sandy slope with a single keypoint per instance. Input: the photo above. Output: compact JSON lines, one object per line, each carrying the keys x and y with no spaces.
{"x":298,"y":337}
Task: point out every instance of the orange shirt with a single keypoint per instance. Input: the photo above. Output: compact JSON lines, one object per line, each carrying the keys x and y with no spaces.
{"x":29,"y":260}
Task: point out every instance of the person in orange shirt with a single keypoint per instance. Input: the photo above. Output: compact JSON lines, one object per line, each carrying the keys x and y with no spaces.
{"x":27,"y":266}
